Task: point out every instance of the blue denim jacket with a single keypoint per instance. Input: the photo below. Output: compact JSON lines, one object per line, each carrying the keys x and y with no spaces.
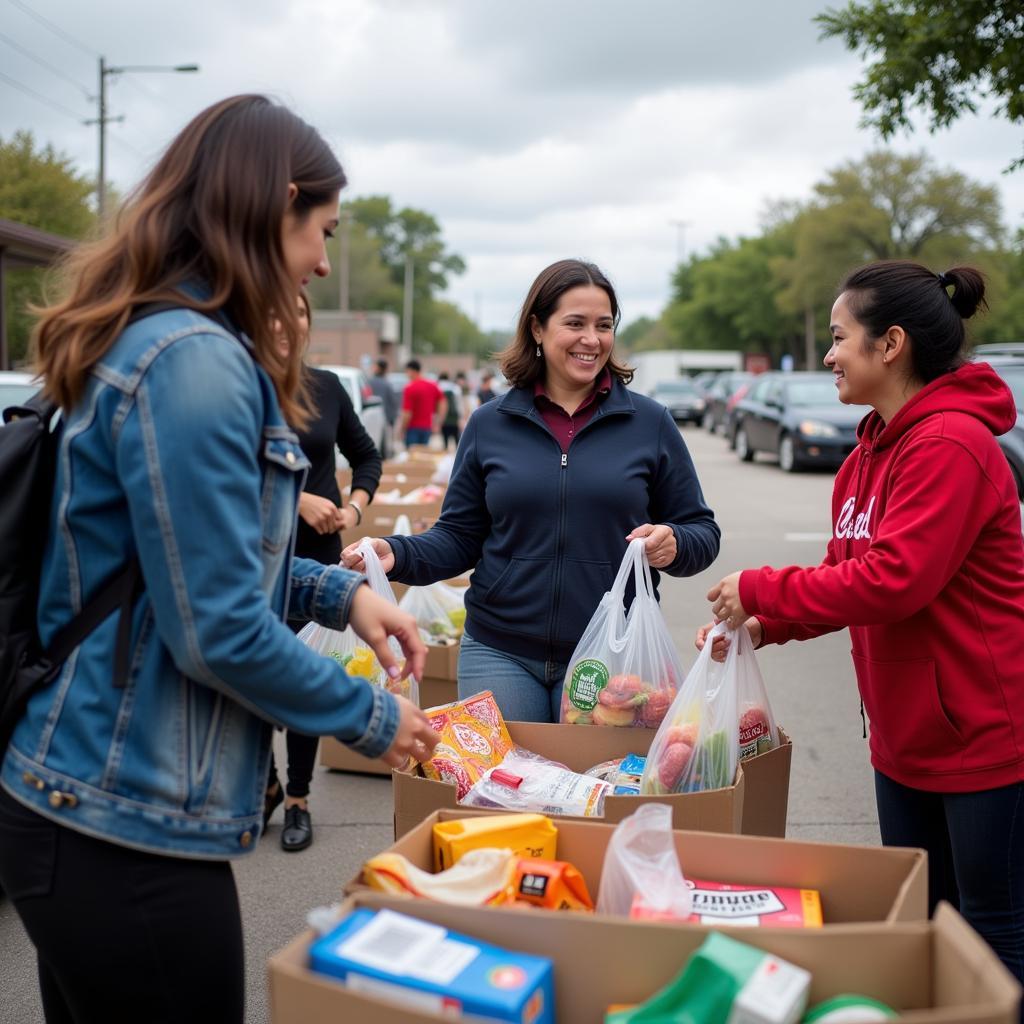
{"x":178,"y":451}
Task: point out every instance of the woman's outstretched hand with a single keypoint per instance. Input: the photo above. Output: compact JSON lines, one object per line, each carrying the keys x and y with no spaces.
{"x":721,"y":643}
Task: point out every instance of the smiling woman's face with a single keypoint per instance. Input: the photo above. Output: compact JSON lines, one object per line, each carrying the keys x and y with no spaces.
{"x":304,"y":240}
{"x":577,"y":338}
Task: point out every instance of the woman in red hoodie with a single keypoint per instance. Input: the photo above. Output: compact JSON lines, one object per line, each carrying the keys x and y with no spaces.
{"x":926,"y":568}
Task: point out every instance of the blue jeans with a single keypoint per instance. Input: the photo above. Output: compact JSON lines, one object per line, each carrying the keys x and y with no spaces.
{"x":417,"y":435}
{"x":975,"y":844}
{"x":527,"y":690}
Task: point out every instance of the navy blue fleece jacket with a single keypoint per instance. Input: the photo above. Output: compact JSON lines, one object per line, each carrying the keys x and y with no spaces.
{"x":545,"y":532}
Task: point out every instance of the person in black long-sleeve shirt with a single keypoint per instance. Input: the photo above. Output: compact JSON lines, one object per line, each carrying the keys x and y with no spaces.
{"x":322,"y":518}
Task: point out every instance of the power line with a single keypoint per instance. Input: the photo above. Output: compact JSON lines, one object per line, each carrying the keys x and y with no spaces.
{"x":55,"y":29}
{"x":42,"y":63}
{"x":42,"y":99}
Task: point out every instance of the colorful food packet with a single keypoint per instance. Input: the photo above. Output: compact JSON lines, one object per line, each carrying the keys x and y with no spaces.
{"x":551,"y":884}
{"x":527,"y":835}
{"x":749,"y":906}
{"x":473,"y":739}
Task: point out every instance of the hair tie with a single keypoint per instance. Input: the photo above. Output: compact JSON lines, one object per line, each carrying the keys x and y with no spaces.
{"x":945,"y":280}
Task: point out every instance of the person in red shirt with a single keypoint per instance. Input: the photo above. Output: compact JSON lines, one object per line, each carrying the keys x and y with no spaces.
{"x":926,"y":568}
{"x":423,"y":406}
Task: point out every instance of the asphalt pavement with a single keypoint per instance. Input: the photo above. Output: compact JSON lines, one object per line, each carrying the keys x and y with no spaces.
{"x":767,"y":518}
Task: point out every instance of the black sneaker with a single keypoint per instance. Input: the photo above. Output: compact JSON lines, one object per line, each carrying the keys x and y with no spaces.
{"x":298,"y":829}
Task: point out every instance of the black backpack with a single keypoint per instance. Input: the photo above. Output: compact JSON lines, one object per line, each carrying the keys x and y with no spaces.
{"x":29,"y":443}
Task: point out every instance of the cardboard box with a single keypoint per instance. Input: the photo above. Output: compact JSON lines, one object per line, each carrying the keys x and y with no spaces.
{"x":766,"y":794}
{"x":438,"y":686}
{"x":335,"y":755}
{"x":932,"y":972}
{"x":856,"y":883}
{"x":579,"y":748}
{"x":379,"y":520}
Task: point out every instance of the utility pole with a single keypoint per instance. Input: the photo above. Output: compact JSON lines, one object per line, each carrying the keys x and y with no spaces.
{"x":345,"y":227}
{"x":680,"y":226}
{"x":407,"y":304}
{"x":103,"y":118}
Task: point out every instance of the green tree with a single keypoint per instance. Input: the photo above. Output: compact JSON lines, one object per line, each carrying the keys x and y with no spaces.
{"x":627,"y":337}
{"x":398,"y":232}
{"x":39,"y":187}
{"x":726,"y":299}
{"x":881,"y":207}
{"x":937,"y":55}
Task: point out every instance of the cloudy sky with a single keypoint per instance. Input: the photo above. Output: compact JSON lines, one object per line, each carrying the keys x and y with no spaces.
{"x":622,"y":132}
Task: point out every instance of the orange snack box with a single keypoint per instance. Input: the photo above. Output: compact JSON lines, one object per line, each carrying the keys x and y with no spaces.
{"x":551,"y":884}
{"x":473,"y":739}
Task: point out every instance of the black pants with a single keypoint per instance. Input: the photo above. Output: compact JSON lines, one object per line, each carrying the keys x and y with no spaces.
{"x":450,"y":432}
{"x":122,"y":935}
{"x":301,"y":760}
{"x":975,"y":844}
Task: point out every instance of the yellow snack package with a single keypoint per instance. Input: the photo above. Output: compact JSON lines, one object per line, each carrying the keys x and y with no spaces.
{"x":473,"y":739}
{"x":527,"y":835}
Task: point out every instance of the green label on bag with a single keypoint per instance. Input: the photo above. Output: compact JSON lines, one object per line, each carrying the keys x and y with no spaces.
{"x":589,"y":678}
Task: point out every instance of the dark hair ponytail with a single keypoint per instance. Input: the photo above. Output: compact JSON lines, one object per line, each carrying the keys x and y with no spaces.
{"x":930,"y":307}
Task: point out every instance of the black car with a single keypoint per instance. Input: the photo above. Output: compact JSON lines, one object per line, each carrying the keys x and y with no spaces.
{"x":681,"y":398}
{"x":721,"y":390}
{"x":1011,"y":369}
{"x":797,"y":416}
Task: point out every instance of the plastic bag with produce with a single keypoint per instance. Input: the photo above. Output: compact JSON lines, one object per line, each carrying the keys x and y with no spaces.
{"x":439,"y":610}
{"x":625,"y":670}
{"x":641,"y":871}
{"x":355,"y":656}
{"x":697,"y":746}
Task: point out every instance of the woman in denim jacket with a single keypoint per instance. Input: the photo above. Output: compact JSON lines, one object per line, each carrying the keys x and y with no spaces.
{"x":120,"y":806}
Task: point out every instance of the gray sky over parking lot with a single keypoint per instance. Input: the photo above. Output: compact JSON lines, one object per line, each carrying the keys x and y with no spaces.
{"x":532,"y":129}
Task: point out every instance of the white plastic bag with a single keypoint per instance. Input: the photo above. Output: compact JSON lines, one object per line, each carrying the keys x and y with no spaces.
{"x":625,"y":670}
{"x":439,"y":610}
{"x":758,"y":731}
{"x":354,"y":654}
{"x":641,"y":874}
{"x":525,"y":781}
{"x":697,"y":746}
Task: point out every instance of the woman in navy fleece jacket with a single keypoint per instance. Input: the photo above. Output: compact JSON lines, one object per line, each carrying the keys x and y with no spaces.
{"x":926,"y":568}
{"x":550,"y":484}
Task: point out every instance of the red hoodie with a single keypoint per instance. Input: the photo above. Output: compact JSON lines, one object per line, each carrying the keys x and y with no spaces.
{"x":926,"y":567}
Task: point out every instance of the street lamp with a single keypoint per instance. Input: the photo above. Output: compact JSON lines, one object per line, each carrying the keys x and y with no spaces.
{"x":103,"y":120}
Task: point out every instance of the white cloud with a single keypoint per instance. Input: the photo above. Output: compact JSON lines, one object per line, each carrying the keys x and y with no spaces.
{"x":531,"y":130}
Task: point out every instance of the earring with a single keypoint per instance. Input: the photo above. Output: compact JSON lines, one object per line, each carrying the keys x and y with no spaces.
{"x":538,"y":351}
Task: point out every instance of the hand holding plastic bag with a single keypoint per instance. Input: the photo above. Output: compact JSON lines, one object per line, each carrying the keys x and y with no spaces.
{"x":641,"y":875}
{"x":350,"y":650}
{"x":625,"y":670}
{"x":697,"y":746}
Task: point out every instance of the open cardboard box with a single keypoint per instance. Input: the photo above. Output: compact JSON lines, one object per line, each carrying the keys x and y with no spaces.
{"x":581,"y":747}
{"x":856,"y":883}
{"x":932,"y":972}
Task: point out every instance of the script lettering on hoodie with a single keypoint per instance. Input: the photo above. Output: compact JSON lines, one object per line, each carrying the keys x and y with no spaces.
{"x":854,"y":528}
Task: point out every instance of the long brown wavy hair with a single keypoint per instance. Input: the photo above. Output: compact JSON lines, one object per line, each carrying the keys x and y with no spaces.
{"x":210,"y":214}
{"x":519,"y":361}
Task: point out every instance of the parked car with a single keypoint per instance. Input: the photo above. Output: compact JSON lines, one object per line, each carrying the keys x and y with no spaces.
{"x":721,"y":390}
{"x":1004,"y":348}
{"x":369,"y":408}
{"x":1011,"y":369}
{"x":16,"y":388}
{"x":729,"y":416}
{"x":799,"y":417}
{"x":681,"y":398}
